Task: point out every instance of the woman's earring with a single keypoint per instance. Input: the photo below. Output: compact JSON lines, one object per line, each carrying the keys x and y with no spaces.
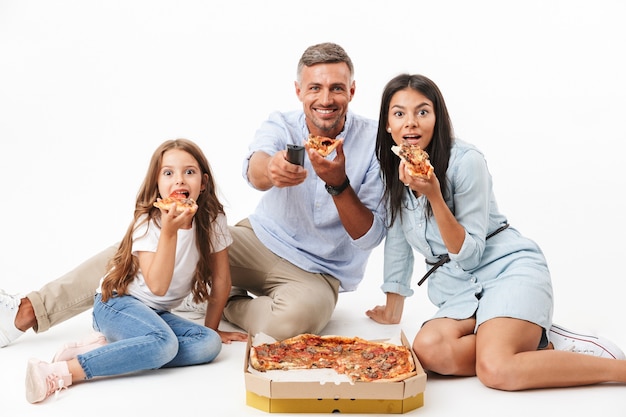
{"x":389,"y":129}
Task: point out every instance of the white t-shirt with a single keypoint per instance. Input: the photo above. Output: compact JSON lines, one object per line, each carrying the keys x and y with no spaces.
{"x":146,"y":239}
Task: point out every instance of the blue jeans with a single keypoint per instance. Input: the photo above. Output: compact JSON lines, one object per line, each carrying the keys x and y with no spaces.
{"x":142,"y":338}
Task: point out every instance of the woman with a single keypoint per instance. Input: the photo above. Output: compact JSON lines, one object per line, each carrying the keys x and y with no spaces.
{"x":491,"y":285}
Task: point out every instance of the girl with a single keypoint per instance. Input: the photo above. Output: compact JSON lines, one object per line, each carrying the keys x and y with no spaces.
{"x":492,"y":285}
{"x":165,"y":255}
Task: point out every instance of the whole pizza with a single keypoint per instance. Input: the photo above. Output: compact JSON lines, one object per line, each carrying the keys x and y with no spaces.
{"x":359,"y":359}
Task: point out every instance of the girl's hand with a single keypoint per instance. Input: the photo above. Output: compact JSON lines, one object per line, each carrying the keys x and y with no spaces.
{"x":228,"y":337}
{"x":172,"y":220}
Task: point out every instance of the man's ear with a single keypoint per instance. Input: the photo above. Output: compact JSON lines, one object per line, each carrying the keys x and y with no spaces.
{"x":298,"y":89}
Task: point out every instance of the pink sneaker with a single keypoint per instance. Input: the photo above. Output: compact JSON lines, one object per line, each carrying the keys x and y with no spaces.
{"x":43,"y":379}
{"x":71,"y":350}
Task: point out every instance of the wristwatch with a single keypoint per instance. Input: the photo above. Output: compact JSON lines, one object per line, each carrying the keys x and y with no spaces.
{"x":338,"y":190}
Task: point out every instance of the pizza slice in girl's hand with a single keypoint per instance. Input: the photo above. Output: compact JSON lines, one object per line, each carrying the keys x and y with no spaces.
{"x":416,"y":160}
{"x":323,"y":145}
{"x":181,"y":200}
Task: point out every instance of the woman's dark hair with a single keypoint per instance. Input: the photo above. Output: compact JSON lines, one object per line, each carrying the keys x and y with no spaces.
{"x":438,"y":149}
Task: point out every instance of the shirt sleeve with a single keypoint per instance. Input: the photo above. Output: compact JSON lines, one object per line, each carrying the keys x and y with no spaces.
{"x":398,"y":262}
{"x":221,"y":237}
{"x":272,"y":136}
{"x":145,"y":237}
{"x":472,"y":193}
{"x":371,"y":195}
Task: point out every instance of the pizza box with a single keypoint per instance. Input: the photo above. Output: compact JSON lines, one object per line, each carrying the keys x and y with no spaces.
{"x":277,"y":396}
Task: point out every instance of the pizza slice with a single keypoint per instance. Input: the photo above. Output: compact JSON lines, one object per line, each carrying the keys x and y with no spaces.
{"x":323,"y":145}
{"x":415,"y":158}
{"x":181,"y":200}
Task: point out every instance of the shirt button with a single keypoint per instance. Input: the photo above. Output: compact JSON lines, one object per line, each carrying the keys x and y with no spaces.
{"x":473,"y":280}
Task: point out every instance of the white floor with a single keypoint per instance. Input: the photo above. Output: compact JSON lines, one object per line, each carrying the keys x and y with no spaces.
{"x":218,"y":388}
{"x":96,"y":86}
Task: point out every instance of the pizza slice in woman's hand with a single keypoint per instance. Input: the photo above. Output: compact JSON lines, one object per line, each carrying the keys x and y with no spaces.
{"x":415,"y":158}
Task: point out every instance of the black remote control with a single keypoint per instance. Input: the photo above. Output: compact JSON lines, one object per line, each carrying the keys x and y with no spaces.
{"x":295,"y":154}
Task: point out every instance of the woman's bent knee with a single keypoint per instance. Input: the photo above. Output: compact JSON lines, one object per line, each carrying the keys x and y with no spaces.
{"x":496,"y":374}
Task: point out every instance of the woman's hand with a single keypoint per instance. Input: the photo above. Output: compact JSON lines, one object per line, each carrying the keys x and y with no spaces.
{"x":428,"y":187}
{"x":390,"y":313}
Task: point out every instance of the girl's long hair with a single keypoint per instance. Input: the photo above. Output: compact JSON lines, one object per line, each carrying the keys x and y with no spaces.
{"x":122,"y":268}
{"x":438,"y":149}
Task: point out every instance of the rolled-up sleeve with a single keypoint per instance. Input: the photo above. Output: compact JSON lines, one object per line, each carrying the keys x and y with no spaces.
{"x":272,"y":136}
{"x":370,"y":193}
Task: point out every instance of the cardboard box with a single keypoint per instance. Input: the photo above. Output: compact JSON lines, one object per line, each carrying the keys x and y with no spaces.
{"x":345,"y":397}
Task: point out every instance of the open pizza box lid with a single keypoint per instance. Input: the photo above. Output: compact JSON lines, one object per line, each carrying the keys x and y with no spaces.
{"x":321,"y":383}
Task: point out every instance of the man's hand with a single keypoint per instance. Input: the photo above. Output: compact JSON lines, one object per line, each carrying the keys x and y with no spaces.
{"x":265,"y":171}
{"x":331,"y":171}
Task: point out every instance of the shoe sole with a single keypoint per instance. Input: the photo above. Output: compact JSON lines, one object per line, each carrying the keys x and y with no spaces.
{"x":607,"y":346}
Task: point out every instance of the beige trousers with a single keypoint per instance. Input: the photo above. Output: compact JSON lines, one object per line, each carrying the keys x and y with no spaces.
{"x":70,"y":294}
{"x":288,"y":300}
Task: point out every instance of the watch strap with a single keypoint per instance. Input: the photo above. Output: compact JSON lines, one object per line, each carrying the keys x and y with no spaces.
{"x":332,"y":190}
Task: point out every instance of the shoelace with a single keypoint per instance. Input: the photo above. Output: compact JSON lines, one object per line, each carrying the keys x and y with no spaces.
{"x":54,"y":384}
{"x":584,"y":351}
{"x":573,"y":348}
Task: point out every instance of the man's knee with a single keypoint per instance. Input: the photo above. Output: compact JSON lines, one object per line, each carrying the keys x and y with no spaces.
{"x":291,"y":319}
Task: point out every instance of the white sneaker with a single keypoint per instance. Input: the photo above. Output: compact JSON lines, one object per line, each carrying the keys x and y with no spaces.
{"x":44,"y":379}
{"x":563,"y":339}
{"x":9,"y":304}
{"x":188,"y":306}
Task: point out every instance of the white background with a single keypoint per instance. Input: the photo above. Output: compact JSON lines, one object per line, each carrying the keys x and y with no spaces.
{"x":88,"y":90}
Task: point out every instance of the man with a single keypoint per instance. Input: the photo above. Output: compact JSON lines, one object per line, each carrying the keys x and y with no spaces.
{"x":308,"y":239}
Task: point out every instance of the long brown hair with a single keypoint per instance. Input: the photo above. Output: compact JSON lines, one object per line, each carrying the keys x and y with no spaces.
{"x":438,"y":149}
{"x":123,"y":267}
